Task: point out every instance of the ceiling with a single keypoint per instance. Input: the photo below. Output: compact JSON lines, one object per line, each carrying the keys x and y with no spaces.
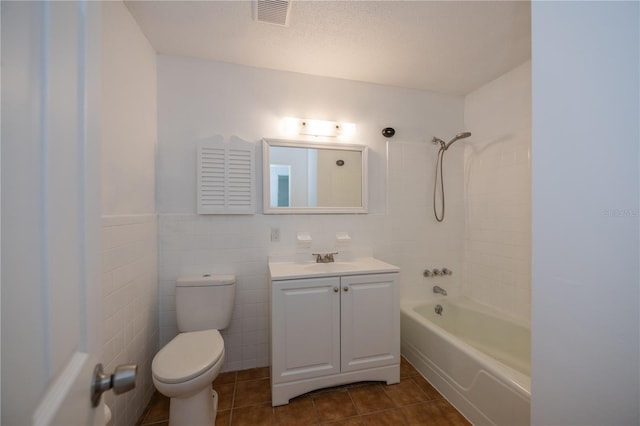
{"x":451,"y":47}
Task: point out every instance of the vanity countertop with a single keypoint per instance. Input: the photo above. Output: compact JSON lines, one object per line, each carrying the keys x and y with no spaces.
{"x":293,"y":270}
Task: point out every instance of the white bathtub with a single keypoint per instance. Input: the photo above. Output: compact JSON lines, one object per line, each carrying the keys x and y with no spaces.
{"x":477,"y":360}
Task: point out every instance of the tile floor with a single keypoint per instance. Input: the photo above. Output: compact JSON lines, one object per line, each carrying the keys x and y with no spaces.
{"x":245,"y":399}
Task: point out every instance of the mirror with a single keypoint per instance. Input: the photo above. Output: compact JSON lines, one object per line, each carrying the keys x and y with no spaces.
{"x":309,"y":177}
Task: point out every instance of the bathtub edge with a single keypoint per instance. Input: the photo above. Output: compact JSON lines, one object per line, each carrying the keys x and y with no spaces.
{"x":444,"y":388}
{"x":448,"y":387}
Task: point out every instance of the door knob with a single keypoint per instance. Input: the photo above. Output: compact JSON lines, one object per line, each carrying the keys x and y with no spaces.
{"x":121,"y":381}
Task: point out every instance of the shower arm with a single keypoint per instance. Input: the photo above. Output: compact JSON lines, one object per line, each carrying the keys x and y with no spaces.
{"x":437,"y":141}
{"x":444,"y":146}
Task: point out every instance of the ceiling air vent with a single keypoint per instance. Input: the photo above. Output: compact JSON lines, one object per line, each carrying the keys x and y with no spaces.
{"x":273,"y":11}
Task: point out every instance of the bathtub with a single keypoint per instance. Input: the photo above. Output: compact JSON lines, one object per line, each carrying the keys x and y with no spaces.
{"x":477,"y":360}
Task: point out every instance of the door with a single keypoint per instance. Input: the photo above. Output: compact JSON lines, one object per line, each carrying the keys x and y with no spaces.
{"x":51,"y":293}
{"x":370,"y":321}
{"x":305,"y":328}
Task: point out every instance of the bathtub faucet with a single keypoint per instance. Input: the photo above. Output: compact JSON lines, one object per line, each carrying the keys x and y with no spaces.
{"x":438,"y":289}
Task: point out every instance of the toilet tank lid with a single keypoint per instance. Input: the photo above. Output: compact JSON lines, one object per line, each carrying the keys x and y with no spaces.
{"x":206,"y":280}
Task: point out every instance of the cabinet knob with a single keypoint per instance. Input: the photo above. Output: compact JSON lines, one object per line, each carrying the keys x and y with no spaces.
{"x":336,"y":289}
{"x":346,"y":289}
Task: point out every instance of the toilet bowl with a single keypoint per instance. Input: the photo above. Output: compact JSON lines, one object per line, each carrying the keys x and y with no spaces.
{"x":184,"y":368}
{"x":183,"y":371}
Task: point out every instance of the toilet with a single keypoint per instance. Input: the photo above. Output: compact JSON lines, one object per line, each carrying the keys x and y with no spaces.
{"x":184,"y":369}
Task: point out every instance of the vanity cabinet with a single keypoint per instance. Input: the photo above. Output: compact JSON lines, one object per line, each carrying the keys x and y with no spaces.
{"x":305,"y":328}
{"x":327,"y":331}
{"x":369,"y":321}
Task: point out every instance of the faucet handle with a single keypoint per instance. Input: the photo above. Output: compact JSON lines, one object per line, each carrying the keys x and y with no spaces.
{"x":329,"y":257}
{"x":436,"y":272}
{"x":446,"y":271}
{"x":318,"y":257}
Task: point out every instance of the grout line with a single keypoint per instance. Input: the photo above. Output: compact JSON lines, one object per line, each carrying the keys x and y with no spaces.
{"x":315,"y":409}
{"x":353,"y":402}
{"x":233,"y":398}
{"x":420,"y":388}
{"x":155,"y":423}
{"x":233,"y":394}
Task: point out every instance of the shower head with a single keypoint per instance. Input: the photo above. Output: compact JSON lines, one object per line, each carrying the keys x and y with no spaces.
{"x":446,"y":146}
{"x":462,"y":135}
{"x":457,"y":137}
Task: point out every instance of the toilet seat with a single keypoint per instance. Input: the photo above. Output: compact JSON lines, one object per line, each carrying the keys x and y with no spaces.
{"x":187,"y":356}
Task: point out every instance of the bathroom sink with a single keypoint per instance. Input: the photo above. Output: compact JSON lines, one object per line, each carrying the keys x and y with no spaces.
{"x":331,"y":266}
{"x":291,"y":270}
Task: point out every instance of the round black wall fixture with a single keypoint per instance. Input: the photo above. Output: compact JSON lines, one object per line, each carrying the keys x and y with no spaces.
{"x":388,"y":132}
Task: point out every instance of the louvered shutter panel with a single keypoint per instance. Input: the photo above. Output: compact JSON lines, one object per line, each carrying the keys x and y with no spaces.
{"x":226,"y":176}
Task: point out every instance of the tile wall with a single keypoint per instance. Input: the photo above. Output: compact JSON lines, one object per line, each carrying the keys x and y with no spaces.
{"x":416,"y":241}
{"x":192,"y":245}
{"x":130,"y":310}
{"x":498,"y":194}
{"x":240,"y":245}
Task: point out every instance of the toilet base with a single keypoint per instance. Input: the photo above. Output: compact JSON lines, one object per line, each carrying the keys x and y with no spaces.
{"x":199,"y":409}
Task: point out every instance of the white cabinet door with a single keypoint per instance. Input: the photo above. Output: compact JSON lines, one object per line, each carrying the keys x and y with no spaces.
{"x":370,"y":327}
{"x":305,"y":328}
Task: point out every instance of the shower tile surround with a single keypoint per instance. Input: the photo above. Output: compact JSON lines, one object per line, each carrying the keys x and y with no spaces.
{"x":498,"y":194}
{"x":199,"y":99}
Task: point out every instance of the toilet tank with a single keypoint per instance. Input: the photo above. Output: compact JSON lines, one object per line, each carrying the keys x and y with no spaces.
{"x":204,"y":302}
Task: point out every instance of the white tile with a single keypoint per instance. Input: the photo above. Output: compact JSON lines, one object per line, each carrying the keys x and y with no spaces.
{"x":107,"y":283}
{"x":231,"y":365}
{"x":130,"y":302}
{"x":168,"y":319}
{"x":252,"y":296}
{"x":256,"y":337}
{"x":257,"y":309}
{"x":254,"y":323}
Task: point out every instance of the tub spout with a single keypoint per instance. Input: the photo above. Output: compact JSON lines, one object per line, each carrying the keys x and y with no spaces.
{"x":438,"y":289}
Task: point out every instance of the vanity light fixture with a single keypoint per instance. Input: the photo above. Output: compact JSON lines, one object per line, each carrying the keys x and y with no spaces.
{"x":320,"y":128}
{"x":310,"y":127}
{"x":348,"y":131}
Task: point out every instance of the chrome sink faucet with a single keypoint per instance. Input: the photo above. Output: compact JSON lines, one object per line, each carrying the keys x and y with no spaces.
{"x":324,"y":258}
{"x":440,"y":290}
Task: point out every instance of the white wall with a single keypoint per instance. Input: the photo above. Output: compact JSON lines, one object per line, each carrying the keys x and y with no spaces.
{"x":198,"y":99}
{"x":498,"y":193}
{"x":585,"y":312}
{"x":129,"y":115}
{"x":129,"y":233}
